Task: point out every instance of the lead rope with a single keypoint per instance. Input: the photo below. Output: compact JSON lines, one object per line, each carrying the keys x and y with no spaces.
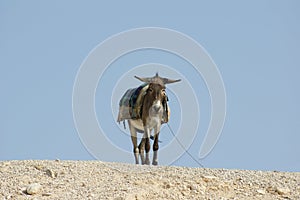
{"x":181,"y":145}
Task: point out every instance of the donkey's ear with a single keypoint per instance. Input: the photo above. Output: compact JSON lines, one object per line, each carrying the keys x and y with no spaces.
{"x":146,"y":80}
{"x":157,"y":79}
{"x":168,"y":81}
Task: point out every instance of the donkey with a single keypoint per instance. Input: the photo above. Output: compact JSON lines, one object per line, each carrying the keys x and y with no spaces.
{"x":153,"y":112}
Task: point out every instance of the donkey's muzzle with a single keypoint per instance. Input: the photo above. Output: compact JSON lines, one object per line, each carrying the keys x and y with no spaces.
{"x":156,"y":108}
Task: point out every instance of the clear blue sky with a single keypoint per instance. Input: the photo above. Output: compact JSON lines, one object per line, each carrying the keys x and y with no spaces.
{"x":255,"y":44}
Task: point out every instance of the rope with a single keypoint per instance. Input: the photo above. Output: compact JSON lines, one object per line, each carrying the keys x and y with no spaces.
{"x":181,"y":145}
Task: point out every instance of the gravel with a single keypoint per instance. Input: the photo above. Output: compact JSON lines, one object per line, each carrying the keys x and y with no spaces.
{"x":43,"y":179}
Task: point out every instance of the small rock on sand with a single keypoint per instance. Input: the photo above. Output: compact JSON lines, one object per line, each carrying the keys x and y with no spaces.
{"x":282,"y":191}
{"x":260,"y":191}
{"x":209,"y":178}
{"x":33,"y":188}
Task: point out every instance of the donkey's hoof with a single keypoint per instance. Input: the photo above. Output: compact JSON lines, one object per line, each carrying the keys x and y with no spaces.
{"x":145,"y":162}
{"x":154,"y":163}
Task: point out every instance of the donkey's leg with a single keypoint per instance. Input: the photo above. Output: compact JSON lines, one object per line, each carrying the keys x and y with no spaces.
{"x":145,"y":145}
{"x":134,"y":142}
{"x":135,"y":149}
{"x":147,"y":148}
{"x":155,"y":150}
{"x":142,"y":150}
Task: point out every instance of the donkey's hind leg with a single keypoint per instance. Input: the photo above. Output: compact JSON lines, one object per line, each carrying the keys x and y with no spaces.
{"x":134,"y":142}
{"x":135,"y":149}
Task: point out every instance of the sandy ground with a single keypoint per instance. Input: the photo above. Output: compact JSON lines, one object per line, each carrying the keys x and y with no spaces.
{"x":31,"y":179}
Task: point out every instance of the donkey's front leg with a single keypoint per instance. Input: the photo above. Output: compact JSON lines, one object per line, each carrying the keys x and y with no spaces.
{"x":142,"y":150}
{"x":146,"y":140}
{"x":155,"y":150}
{"x":147,"y":148}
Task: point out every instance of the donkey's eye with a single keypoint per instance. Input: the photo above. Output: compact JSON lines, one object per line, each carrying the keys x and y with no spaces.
{"x":150,"y":90}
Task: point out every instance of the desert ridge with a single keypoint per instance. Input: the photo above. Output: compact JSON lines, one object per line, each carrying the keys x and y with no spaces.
{"x":55,"y":179}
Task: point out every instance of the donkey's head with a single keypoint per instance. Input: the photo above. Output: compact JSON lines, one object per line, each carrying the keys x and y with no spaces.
{"x":154,"y":98}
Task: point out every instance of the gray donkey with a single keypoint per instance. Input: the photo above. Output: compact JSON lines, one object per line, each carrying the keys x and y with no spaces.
{"x":145,"y":108}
